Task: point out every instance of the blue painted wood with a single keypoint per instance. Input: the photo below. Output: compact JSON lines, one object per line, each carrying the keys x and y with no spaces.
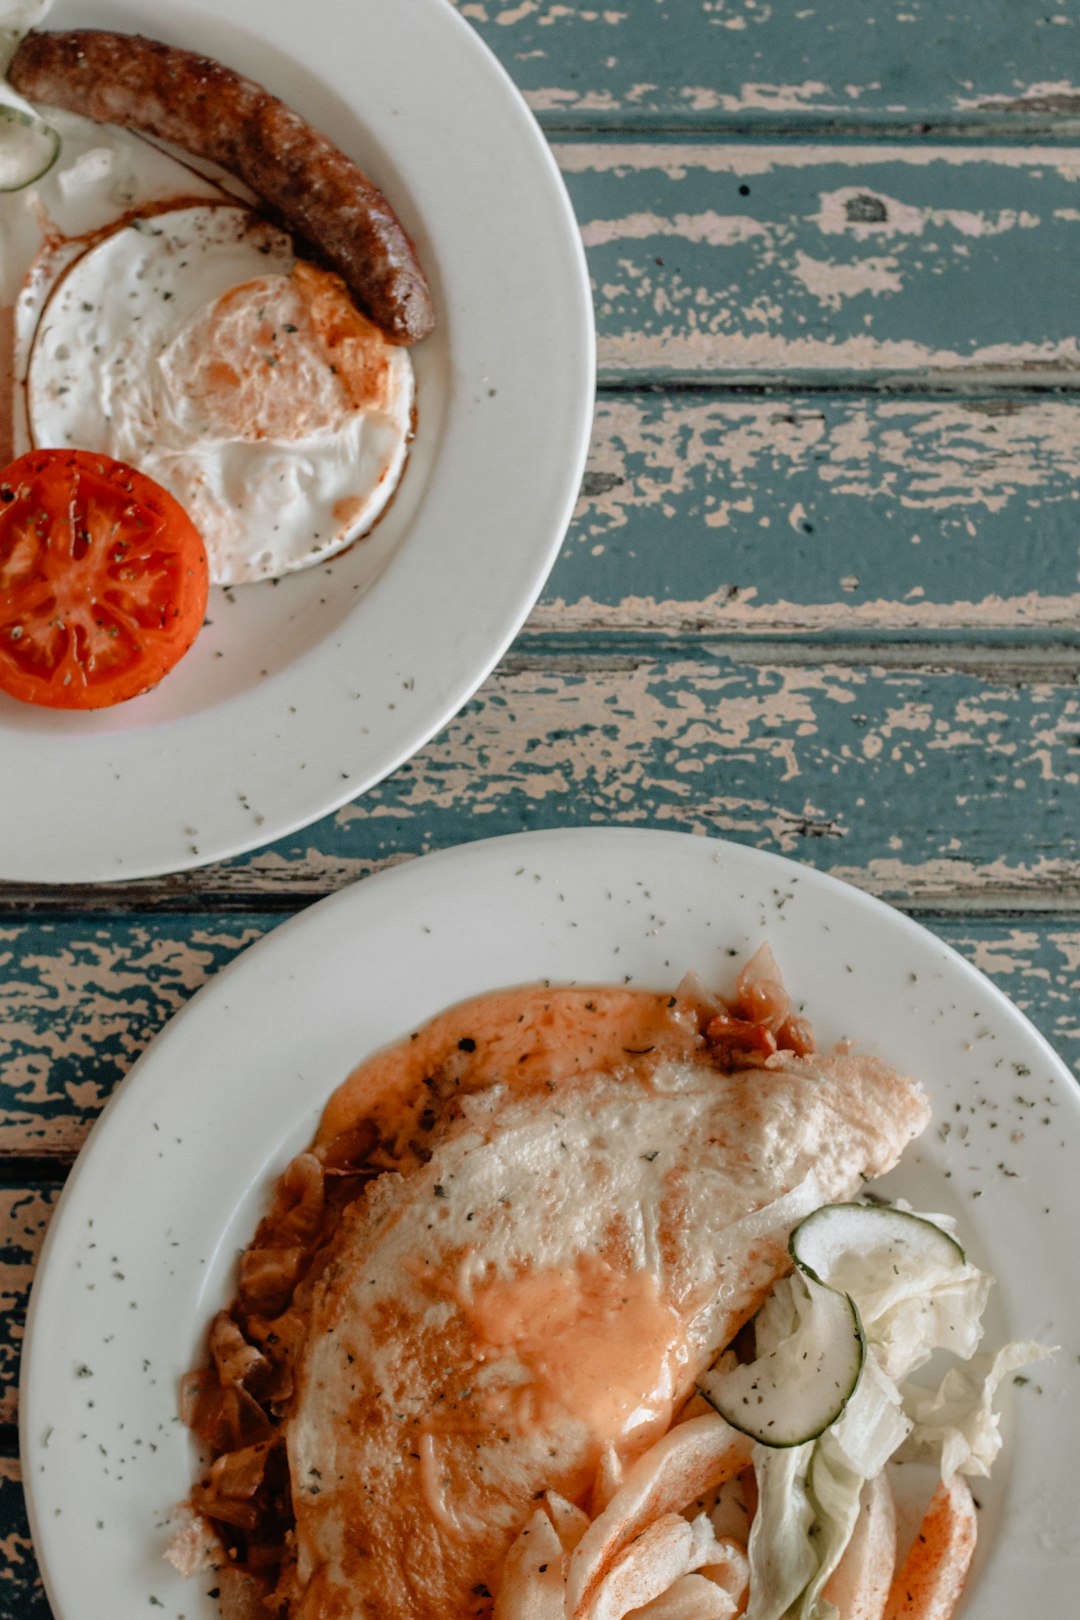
{"x":25,"y":1210}
{"x":21,"y":1593}
{"x":978,"y":775}
{"x":909,"y":782}
{"x":81,"y":1003}
{"x":711,"y":62}
{"x":823,"y":512}
{"x":758,"y":259}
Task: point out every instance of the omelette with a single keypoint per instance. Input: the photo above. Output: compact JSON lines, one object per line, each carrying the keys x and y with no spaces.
{"x":516,"y":1241}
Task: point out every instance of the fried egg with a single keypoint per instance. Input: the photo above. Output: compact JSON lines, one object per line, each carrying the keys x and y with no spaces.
{"x":580,"y":1209}
{"x":193,"y":343}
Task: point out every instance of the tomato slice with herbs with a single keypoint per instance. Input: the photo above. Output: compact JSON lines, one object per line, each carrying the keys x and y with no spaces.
{"x":103,"y":580}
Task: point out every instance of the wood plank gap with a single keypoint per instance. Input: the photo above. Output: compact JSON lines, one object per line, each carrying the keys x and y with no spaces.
{"x":1057,"y":125}
{"x":974,"y":387}
{"x":989,"y":905}
{"x":1003,"y":664}
{"x":1034,"y":380}
{"x":46,"y":1169}
{"x":227,"y":893}
{"x":184,"y":894}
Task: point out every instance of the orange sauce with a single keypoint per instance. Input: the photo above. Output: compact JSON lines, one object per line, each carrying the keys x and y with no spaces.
{"x":601,"y":1345}
{"x":529,"y":1038}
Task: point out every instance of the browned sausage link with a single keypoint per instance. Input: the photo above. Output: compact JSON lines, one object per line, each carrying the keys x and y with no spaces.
{"x":213,"y":113}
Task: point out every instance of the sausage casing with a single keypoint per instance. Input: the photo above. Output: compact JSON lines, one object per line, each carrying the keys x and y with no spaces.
{"x":212,"y":112}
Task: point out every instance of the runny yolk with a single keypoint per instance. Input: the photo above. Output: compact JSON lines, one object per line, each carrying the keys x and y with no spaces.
{"x":600,"y":1344}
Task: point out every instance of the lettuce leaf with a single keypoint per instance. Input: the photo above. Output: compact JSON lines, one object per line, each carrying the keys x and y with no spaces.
{"x":956,"y":1422}
{"x":782,"y":1556}
{"x":809,"y":1495}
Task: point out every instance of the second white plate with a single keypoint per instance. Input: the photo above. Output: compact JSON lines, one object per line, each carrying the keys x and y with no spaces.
{"x":171,"y":1183}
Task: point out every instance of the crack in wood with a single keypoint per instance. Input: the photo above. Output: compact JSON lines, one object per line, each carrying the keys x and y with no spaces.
{"x":1054,"y":118}
{"x":1057,"y":663}
{"x":1028,"y":379}
{"x":220,"y":892}
{"x":45,"y":1169}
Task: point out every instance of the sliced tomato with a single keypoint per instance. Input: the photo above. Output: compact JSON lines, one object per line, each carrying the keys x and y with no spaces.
{"x":103,"y":580}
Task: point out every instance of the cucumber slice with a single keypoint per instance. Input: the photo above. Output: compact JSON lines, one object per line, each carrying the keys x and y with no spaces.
{"x":797,"y":1390}
{"x":841,"y":1245}
{"x":28,"y":148}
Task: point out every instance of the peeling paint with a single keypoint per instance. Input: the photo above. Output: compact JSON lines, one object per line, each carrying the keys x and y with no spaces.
{"x":24,"y":1217}
{"x":771,"y":98}
{"x":922,"y":881}
{"x":932,"y":456}
{"x":715,"y":348}
{"x":82,"y":1006}
{"x":913,"y":251}
{"x":717,"y":230}
{"x":1049,"y":95}
{"x":845,"y":211}
{"x":915,"y":64}
{"x":831,"y":282}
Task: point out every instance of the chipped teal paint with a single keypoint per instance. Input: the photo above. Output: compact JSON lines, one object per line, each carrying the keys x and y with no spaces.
{"x":882,"y":776}
{"x":977,"y":777}
{"x":80,"y":1004}
{"x":24,"y":1215}
{"x":21,"y":1594}
{"x":743,"y":62}
{"x":731,"y":513}
{"x":793,"y":259}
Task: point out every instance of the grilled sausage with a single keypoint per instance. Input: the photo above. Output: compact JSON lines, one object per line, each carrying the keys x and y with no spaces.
{"x":212,"y":112}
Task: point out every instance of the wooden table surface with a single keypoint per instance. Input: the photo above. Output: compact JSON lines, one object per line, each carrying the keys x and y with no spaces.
{"x":820,"y":593}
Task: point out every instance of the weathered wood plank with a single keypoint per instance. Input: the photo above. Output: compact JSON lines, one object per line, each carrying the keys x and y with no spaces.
{"x":740,"y":62}
{"x":756,"y":260}
{"x":914,"y":784}
{"x":21,"y":1593}
{"x":979,"y":766}
{"x":80,"y":1004}
{"x":24,"y":1215}
{"x":824,"y":514}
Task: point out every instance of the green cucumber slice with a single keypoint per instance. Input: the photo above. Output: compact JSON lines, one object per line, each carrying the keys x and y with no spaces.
{"x":841,"y":1245}
{"x":798,"y":1389}
{"x":28,"y":148}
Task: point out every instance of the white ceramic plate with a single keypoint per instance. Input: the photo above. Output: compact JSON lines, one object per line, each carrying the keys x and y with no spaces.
{"x":301,"y":695}
{"x":171,"y":1183}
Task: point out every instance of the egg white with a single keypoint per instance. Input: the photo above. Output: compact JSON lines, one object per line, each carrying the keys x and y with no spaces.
{"x":124,"y":362}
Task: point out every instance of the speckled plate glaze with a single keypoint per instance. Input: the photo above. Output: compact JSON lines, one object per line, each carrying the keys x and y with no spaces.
{"x":170,"y":1185}
{"x":298,"y":696}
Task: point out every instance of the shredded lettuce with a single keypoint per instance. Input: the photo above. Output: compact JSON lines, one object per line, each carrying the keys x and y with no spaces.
{"x":782,"y":1555}
{"x":28,"y":145}
{"x":809,"y":1495}
{"x":873,"y":1424}
{"x":834,"y":1491}
{"x":957,"y":1421}
{"x":17,"y":17}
